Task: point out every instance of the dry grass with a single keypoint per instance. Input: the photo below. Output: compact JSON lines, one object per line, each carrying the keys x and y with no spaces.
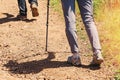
{"x":109,"y":26}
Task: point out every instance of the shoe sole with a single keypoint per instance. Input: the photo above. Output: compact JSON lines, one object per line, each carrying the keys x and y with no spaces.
{"x":100,"y":61}
{"x":97,"y":62}
{"x":35,"y":12}
{"x":69,"y":61}
{"x":21,"y":18}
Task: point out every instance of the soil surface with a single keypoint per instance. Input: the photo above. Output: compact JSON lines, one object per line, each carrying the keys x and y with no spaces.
{"x":22,"y":48}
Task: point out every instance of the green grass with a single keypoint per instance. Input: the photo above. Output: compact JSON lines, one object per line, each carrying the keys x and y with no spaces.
{"x":117,"y":75}
{"x":56,"y":5}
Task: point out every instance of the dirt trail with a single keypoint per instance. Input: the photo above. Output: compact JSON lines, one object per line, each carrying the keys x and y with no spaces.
{"x":22,"y":48}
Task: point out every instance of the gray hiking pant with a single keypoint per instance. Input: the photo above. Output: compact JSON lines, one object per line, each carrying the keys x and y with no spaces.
{"x":86,"y":11}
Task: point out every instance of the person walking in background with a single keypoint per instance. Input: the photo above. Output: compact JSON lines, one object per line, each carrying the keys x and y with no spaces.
{"x":86,"y":11}
{"x":23,"y":9}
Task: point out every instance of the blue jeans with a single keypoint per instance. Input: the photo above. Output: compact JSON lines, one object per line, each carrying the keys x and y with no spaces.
{"x":86,"y":11}
{"x":22,"y":6}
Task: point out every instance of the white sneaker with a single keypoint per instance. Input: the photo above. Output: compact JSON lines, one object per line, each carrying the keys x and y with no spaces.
{"x":97,"y":58}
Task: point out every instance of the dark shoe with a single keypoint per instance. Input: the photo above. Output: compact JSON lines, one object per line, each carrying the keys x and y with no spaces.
{"x":74,"y":61}
{"x":34,"y":9}
{"x":21,"y":17}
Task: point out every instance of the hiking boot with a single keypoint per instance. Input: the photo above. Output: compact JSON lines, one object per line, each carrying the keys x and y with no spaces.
{"x":21,"y":17}
{"x":74,"y":61}
{"x":97,"y":59}
{"x":34,"y":9}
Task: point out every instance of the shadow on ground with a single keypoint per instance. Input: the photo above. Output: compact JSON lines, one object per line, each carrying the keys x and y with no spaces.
{"x":10,"y":17}
{"x":37,"y":66}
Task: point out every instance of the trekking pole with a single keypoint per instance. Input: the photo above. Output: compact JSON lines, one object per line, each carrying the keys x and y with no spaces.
{"x":47,"y":22}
